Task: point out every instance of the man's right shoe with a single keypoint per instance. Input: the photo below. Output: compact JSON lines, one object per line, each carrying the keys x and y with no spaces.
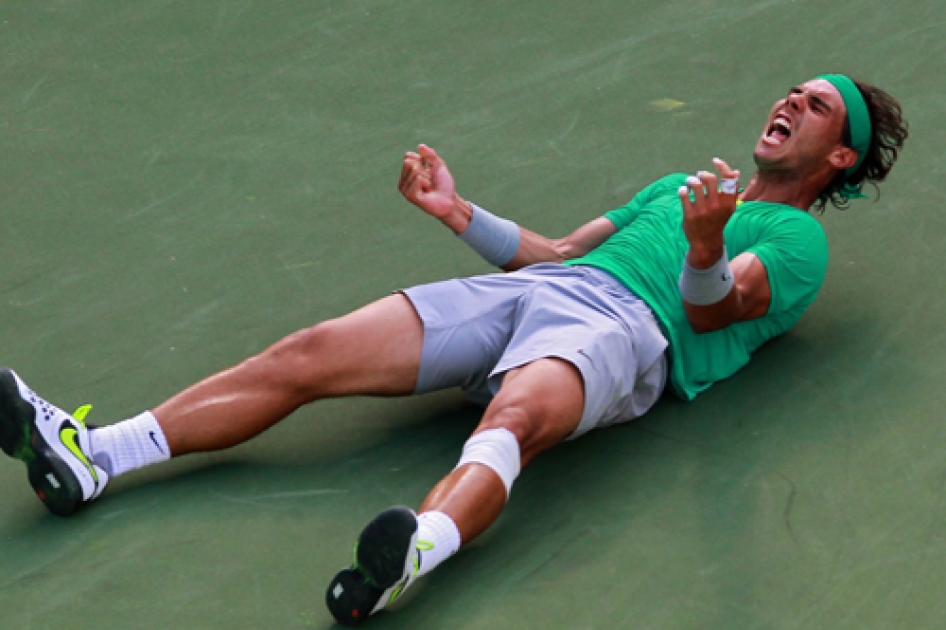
{"x":387,"y":561}
{"x":53,"y":445}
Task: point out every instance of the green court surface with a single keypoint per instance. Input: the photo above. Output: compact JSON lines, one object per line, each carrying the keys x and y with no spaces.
{"x":183,"y":183}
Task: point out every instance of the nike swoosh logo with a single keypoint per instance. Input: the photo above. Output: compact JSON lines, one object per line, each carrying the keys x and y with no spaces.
{"x":407,"y":578}
{"x":155,"y":440}
{"x":397,"y":592}
{"x":70,"y":439}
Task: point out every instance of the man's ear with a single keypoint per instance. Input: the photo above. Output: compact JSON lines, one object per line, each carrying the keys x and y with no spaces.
{"x":843,"y":158}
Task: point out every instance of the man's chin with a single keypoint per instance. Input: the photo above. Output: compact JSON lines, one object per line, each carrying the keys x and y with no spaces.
{"x":768,"y":156}
{"x":761,"y":159}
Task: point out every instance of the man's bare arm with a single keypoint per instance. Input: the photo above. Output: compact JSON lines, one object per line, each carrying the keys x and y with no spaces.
{"x":427,"y":183}
{"x":535,"y":248}
{"x":748,"y":299}
{"x":705,"y":217}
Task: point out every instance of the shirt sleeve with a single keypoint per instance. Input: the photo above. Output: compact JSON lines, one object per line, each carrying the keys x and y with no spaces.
{"x":625,"y":215}
{"x":795,"y":254}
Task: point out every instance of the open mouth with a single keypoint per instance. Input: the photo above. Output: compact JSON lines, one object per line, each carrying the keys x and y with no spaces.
{"x":780,"y":130}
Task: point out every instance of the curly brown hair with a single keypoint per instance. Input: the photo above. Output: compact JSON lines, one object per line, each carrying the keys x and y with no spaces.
{"x":889,"y":130}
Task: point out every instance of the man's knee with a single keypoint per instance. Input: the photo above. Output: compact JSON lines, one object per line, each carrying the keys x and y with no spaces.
{"x":497,"y":449}
{"x":517,"y":426}
{"x":298,"y":361}
{"x":540,"y":408}
{"x":523,"y":424}
{"x":534,"y":427}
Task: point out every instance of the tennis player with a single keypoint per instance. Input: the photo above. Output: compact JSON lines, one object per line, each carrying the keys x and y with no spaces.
{"x":674,"y":290}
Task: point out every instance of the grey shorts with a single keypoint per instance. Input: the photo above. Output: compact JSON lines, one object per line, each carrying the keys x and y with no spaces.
{"x":476,"y":329}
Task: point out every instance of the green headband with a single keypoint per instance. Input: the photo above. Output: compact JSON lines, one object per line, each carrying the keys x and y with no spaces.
{"x":858,"y":120}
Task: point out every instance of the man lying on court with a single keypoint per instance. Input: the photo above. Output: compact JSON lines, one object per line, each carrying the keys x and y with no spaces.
{"x":677,"y":288}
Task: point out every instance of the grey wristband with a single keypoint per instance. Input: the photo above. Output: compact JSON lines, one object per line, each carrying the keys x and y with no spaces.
{"x":493,"y":238}
{"x":706,"y":286}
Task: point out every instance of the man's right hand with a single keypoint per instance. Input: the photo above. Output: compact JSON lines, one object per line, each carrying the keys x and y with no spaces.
{"x":427,"y":183}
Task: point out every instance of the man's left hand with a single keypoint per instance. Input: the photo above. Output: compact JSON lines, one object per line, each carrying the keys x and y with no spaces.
{"x":706,"y":214}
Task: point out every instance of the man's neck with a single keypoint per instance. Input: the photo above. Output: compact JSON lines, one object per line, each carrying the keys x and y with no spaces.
{"x":799,"y":193}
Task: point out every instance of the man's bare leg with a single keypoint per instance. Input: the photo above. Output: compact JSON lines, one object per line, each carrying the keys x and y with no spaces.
{"x":538,"y":406}
{"x":375,"y":350}
{"x":541,"y":404}
{"x":372,"y":351}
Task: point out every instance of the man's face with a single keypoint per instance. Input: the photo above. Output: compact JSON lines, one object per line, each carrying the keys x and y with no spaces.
{"x":803,"y":129}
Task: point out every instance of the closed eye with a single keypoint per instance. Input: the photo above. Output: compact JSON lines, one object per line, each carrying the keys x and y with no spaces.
{"x":819,"y":105}
{"x":815,"y":102}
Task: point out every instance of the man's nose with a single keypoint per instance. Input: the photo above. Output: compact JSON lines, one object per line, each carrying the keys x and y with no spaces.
{"x":797,"y":100}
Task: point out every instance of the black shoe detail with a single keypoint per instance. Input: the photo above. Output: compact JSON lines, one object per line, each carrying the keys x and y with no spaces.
{"x":384,"y":545}
{"x":16,"y":418}
{"x":350,"y":597}
{"x":51,"y":478}
{"x":380,"y":558}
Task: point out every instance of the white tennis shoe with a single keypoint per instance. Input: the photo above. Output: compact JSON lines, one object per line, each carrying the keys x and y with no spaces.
{"x":53,"y":444}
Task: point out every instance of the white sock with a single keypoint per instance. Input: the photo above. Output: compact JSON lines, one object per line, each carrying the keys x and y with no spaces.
{"x":437,"y":538}
{"x":129,"y":444}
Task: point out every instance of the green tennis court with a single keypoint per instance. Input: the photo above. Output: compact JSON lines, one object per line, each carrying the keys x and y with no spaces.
{"x":184,"y":183}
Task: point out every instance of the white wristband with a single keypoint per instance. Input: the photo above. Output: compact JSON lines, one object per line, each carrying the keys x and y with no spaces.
{"x":706,"y":286}
{"x":493,"y":238}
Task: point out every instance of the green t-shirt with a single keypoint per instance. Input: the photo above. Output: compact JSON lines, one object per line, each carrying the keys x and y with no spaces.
{"x":647,"y":252}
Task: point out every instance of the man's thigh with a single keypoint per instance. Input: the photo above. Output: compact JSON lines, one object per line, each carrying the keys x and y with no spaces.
{"x":374,"y":350}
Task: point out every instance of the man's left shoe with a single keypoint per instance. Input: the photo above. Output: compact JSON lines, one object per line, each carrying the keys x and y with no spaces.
{"x":387,"y":560}
{"x":53,"y":445}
